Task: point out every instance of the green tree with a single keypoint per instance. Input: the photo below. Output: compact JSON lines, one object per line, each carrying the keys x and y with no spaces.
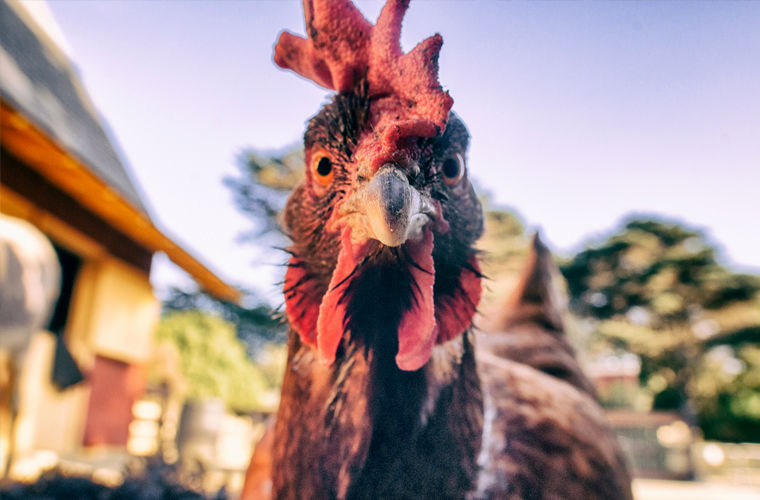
{"x":656,"y":289}
{"x":262,"y":186}
{"x":255,"y":321}
{"x":259,"y":191}
{"x":504,"y":247}
{"x":205,"y":330}
{"x":213,"y":362}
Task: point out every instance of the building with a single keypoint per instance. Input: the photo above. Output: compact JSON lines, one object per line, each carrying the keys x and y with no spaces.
{"x":60,"y":171}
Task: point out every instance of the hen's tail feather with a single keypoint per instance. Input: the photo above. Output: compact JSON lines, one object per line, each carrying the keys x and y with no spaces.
{"x":544,"y":434}
{"x":530,"y":328}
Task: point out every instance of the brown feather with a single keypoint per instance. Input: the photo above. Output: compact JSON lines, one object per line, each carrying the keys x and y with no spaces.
{"x":545,"y":436}
{"x":530,"y":329}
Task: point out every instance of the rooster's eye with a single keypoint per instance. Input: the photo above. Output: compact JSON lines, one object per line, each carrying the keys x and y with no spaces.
{"x":453,"y":169}
{"x":322,"y":167}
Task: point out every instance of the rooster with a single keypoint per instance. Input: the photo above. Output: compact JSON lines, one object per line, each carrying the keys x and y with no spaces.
{"x":386,"y":394}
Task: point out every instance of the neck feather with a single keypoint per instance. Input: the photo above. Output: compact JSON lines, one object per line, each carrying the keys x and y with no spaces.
{"x":361,"y":427}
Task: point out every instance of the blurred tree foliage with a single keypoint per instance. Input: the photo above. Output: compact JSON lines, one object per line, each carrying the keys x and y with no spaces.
{"x":262,"y":186}
{"x":256,"y":323}
{"x":656,"y":289}
{"x":206,"y":331}
{"x":504,"y":246}
{"x":213,"y":362}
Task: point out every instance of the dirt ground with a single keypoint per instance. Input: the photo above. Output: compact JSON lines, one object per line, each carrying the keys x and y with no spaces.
{"x":655,"y":489}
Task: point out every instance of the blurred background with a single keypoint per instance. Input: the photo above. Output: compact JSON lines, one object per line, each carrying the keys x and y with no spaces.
{"x":147,"y":149}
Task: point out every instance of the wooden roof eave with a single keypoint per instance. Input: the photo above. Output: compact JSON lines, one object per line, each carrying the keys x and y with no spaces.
{"x":30,"y":144}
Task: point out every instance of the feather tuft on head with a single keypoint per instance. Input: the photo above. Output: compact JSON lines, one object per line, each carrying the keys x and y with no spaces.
{"x":343,"y":51}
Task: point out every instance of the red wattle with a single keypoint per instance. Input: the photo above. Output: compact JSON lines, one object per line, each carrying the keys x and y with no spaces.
{"x":319,"y":317}
{"x":332,"y":311}
{"x":417,"y":330}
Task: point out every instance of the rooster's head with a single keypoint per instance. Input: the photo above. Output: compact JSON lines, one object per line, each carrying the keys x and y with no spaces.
{"x":384,"y":222}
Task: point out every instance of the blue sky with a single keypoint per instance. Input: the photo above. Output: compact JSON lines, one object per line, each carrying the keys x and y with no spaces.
{"x":580,"y":112}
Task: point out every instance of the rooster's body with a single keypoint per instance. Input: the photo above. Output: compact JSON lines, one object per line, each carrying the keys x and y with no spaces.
{"x":386,"y":394}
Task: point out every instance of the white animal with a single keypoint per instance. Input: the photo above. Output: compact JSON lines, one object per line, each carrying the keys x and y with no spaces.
{"x":30,"y":277}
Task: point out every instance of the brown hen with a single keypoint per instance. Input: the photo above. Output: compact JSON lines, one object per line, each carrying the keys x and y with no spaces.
{"x":385,"y":394}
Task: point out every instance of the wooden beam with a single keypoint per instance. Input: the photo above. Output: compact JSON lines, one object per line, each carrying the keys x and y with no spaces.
{"x":48,"y":199}
{"x":40,"y":153}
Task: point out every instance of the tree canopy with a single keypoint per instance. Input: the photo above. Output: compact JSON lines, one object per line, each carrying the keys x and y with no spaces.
{"x":255,"y":321}
{"x":656,"y":289}
{"x":262,"y":186}
{"x":214,"y":364}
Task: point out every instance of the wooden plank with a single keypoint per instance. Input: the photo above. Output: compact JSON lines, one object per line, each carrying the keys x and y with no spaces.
{"x":52,"y":162}
{"x":49,"y":199}
{"x":15,"y":205}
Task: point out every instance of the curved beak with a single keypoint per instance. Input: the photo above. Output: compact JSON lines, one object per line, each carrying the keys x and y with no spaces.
{"x":395,"y":211}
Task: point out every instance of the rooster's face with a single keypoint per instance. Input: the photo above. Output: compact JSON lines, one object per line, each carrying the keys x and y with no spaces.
{"x":400,"y":223}
{"x":383,"y":224}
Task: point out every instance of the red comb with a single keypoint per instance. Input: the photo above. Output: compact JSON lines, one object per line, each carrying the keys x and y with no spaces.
{"x":343,"y":49}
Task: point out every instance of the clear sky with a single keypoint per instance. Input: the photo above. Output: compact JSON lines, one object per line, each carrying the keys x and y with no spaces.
{"x":580,"y":113}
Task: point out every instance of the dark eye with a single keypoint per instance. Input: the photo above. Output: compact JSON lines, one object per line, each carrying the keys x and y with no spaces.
{"x":322,"y":167}
{"x":453,"y":169}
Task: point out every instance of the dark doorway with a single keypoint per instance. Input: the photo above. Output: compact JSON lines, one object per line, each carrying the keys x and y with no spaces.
{"x":65,"y":370}
{"x":70,"y":265}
